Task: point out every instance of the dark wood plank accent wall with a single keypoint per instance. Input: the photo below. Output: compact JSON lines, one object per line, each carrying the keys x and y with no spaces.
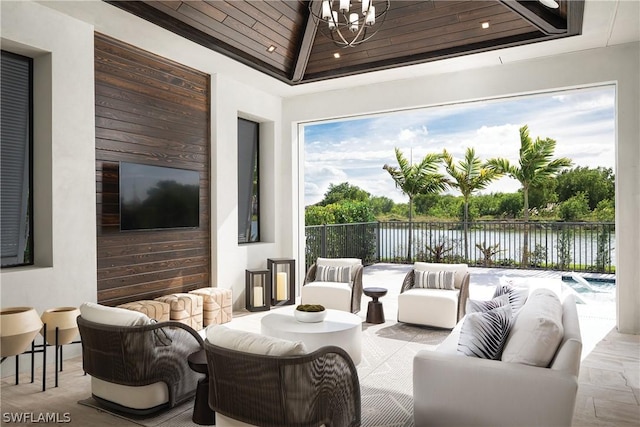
{"x":153,"y":111}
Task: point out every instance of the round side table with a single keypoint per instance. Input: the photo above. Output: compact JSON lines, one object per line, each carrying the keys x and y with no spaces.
{"x":202,"y":414}
{"x":375,"y":312}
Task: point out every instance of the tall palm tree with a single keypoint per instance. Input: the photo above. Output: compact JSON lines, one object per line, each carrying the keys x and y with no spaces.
{"x":414,"y":179}
{"x":469,"y":175}
{"x":536,"y":166}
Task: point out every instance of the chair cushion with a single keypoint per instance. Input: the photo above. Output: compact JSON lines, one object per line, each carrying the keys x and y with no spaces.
{"x":329,"y":294}
{"x":433,"y":307}
{"x":135,"y":397}
{"x":460,"y":270}
{"x":434,"y":279}
{"x":327,"y":273}
{"x":483,"y":335}
{"x":112,"y":315}
{"x":249,"y":342}
{"x":537,"y":330}
{"x":341,"y":262}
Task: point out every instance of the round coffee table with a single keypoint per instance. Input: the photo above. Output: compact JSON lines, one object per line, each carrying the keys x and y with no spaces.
{"x":202,"y":414}
{"x":339,"y":328}
{"x":375,"y":311}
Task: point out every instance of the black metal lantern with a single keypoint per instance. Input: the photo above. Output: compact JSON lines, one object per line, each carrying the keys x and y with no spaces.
{"x":283,"y":280}
{"x":258,"y":290}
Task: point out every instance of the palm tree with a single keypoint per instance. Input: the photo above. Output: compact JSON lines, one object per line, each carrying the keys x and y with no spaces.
{"x":536,"y":166}
{"x":469,"y":176}
{"x":414,"y":179}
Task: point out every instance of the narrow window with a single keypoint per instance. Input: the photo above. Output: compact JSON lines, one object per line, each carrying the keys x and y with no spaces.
{"x":248,"y":182}
{"x":16,"y":87}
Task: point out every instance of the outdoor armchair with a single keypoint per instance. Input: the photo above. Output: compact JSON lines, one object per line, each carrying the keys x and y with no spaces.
{"x":139,"y":369}
{"x":423,"y":304}
{"x":326,"y":284}
{"x":314,"y":389}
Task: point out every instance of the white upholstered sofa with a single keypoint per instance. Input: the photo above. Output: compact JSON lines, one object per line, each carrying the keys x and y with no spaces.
{"x":457,"y":390}
{"x":338,"y":293}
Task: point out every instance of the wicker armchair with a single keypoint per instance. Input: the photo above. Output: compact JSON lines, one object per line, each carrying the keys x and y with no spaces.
{"x":319,"y":388}
{"x":434,"y":307}
{"x":339,"y":296}
{"x":140,"y":356}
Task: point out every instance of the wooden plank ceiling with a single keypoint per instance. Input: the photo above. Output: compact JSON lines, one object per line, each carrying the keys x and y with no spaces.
{"x":413,"y":32}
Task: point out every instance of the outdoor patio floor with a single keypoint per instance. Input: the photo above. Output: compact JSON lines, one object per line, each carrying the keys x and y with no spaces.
{"x":609,"y":383}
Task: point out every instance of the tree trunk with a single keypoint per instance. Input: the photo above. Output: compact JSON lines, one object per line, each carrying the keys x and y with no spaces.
{"x":466,"y":231}
{"x":409,"y":261}
{"x":525,"y":245}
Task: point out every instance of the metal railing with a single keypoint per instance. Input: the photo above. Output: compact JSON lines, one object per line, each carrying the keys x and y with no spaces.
{"x":578,"y":246}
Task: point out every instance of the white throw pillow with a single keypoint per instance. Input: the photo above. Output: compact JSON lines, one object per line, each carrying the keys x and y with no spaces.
{"x":537,"y":330}
{"x":249,"y":342}
{"x":483,"y":334}
{"x":112,"y":315}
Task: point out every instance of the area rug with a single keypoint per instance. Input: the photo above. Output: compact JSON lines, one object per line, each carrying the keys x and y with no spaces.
{"x":385,"y":375}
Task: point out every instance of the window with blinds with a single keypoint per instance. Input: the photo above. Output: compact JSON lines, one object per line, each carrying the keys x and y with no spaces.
{"x":248,"y":182}
{"x":16,"y":130}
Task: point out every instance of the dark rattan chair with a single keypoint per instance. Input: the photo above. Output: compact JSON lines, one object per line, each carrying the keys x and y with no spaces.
{"x":356,"y":289}
{"x":141,"y":355}
{"x":319,"y":388}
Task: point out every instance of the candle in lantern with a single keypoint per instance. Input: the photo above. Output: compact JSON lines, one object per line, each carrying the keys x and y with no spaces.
{"x":281,"y":286}
{"x":258,"y":300}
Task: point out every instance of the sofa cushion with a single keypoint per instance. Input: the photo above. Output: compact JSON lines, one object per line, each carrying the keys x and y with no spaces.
{"x":483,"y":334}
{"x":474,"y":306}
{"x":327,"y":273}
{"x":537,"y":330}
{"x":434,"y":279}
{"x":249,"y":342}
{"x":112,"y":315}
{"x":517,"y":296}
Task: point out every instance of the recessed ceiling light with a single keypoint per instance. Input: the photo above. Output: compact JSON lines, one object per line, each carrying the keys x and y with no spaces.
{"x":551,"y":4}
{"x":271,"y":48}
{"x":485,"y":25}
{"x":336,"y":55}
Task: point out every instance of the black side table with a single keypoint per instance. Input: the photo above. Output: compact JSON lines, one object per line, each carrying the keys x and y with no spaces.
{"x":202,"y":414}
{"x":375,"y":312}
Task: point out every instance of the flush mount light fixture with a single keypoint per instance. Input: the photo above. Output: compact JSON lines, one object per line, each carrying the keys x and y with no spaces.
{"x":271,"y":48}
{"x":485,"y":25}
{"x":336,"y":55}
{"x":551,"y":4}
{"x":349,"y":24}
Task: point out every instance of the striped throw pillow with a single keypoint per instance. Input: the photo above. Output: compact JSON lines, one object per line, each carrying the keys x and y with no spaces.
{"x":434,"y":279}
{"x":475,"y":306}
{"x":517,"y":296}
{"x":326,"y":273}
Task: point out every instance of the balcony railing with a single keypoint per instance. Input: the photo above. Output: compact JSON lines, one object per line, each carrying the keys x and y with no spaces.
{"x":572,"y":246}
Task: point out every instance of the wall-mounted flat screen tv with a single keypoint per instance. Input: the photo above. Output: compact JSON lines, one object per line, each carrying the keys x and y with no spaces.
{"x":153,"y":197}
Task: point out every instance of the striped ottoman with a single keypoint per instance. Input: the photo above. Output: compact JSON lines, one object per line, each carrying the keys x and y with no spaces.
{"x":184,"y":308}
{"x":154,"y":309}
{"x":217,"y":305}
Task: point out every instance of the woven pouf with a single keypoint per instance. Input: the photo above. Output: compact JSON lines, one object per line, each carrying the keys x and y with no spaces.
{"x":157,"y":310}
{"x":217,"y":308}
{"x":185,"y":308}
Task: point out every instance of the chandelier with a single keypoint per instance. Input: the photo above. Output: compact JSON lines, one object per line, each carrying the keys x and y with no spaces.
{"x":349,"y":23}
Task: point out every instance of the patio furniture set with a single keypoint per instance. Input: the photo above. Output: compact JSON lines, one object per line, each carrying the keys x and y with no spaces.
{"x":495,"y":368}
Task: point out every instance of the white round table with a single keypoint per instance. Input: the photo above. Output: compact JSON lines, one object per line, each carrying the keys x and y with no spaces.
{"x":339,"y":328}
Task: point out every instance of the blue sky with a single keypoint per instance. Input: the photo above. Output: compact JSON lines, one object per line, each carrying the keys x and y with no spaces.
{"x":581,"y":121}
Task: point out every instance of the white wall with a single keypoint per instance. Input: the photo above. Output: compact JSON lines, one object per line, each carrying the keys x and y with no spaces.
{"x":618,"y":64}
{"x":64,"y":273}
{"x":61,"y":36}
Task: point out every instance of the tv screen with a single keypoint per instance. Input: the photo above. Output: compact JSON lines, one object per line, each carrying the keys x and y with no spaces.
{"x":153,"y":197}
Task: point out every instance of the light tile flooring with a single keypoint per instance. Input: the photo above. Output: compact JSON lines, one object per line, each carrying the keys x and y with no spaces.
{"x":608,"y":392}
